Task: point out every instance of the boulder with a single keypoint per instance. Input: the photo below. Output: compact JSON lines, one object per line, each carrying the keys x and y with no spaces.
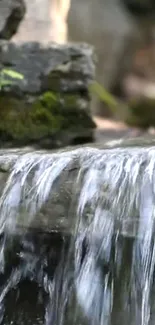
{"x":11,"y":14}
{"x":50,"y":105}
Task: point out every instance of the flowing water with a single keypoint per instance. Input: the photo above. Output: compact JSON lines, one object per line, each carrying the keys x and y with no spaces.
{"x":101,"y":272}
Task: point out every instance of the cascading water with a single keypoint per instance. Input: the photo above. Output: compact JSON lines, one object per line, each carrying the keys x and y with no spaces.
{"x":103,"y":271}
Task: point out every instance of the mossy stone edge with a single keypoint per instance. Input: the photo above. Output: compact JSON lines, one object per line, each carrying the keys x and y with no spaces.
{"x":48,"y":116}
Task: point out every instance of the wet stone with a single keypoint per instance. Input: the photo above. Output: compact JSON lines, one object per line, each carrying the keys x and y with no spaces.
{"x":49,"y":106}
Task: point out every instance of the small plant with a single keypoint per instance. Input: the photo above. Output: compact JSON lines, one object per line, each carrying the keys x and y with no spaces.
{"x":104,"y":96}
{"x":7,"y":73}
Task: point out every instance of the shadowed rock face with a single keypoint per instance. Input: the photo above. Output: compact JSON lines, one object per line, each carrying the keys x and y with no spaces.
{"x":30,"y":267}
{"x":11,"y":14}
{"x":140,"y":9}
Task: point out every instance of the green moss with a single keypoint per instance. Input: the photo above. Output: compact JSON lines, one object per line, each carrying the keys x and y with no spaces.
{"x":142,"y":112}
{"x":44,"y":116}
{"x":50,"y":100}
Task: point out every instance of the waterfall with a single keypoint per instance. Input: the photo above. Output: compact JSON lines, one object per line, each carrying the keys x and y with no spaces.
{"x":104,"y":272}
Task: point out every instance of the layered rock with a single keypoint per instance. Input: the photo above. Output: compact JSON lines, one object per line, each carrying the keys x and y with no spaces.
{"x":11,"y":14}
{"x":50,"y":105}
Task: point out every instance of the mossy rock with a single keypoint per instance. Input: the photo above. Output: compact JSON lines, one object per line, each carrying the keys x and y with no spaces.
{"x":48,"y":116}
{"x":142,"y":112}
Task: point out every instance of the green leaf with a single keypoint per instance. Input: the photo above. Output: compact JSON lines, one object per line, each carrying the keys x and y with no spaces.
{"x":5,"y":82}
{"x":12,"y":74}
{"x":103,"y":94}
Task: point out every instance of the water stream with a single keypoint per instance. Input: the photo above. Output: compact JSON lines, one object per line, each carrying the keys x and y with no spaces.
{"x":102,"y":271}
